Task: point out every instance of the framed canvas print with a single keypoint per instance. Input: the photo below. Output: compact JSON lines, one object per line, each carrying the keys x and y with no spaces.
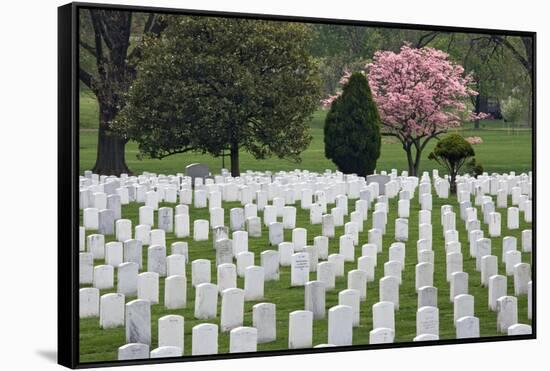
{"x":240,"y":185}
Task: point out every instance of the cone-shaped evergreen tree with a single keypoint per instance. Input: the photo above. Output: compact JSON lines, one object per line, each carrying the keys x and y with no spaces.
{"x":352,"y":129}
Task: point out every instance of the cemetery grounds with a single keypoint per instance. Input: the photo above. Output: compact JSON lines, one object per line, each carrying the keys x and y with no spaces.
{"x":502,"y":151}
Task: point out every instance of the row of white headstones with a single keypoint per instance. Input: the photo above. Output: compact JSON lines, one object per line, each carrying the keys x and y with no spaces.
{"x":102,"y":197}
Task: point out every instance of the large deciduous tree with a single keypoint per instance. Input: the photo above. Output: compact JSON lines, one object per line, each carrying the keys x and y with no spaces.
{"x":419,"y":93}
{"x":106,"y":38}
{"x":352,"y":129}
{"x":220,"y":84}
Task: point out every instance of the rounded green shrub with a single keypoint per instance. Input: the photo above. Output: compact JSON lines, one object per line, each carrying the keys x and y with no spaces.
{"x":452,"y":152}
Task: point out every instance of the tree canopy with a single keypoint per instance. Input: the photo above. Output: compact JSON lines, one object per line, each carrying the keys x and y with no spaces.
{"x":452,"y":152}
{"x":217,"y":84}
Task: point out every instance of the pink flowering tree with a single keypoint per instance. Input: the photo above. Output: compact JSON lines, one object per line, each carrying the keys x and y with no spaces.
{"x":420,"y":94}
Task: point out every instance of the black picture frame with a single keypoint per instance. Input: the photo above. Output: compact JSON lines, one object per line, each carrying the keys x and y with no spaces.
{"x":68,"y":171}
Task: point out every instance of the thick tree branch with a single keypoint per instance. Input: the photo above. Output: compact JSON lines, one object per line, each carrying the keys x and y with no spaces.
{"x":451,"y":41}
{"x":519,"y":57}
{"x":461,"y":163}
{"x":88,"y":47}
{"x":87,"y":79}
{"x":96,"y":23}
{"x":149,"y":23}
{"x":433,"y":135}
{"x":174,"y":152}
{"x":158,"y":26}
{"x":528,"y":45}
{"x":426,"y":39}
{"x":504,"y":42}
{"x":100,"y":27}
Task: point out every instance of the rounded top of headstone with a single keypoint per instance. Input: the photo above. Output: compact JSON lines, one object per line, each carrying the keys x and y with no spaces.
{"x":200,"y":261}
{"x":253,"y":268}
{"x":244,"y":329}
{"x":176,"y":277}
{"x":89,"y":290}
{"x":149,"y":274}
{"x":384,"y":304}
{"x":233,"y":291}
{"x":138,"y":303}
{"x":264,"y":305}
{"x":301,"y":313}
{"x":341,"y":308}
{"x":206,"y":327}
{"x":171,"y":318}
{"x":352,"y":292}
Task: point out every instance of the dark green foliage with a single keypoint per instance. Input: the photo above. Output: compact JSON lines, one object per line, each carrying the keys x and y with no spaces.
{"x":452,"y":152}
{"x":223,"y":84}
{"x":475,"y":167}
{"x":352,"y":129}
{"x":453,"y":149}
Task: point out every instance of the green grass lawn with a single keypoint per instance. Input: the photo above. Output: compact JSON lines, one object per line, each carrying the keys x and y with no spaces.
{"x":89,"y":117}
{"x":501,"y":151}
{"x":101,"y":345}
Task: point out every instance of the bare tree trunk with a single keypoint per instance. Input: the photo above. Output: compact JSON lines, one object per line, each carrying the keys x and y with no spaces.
{"x":453,"y":182}
{"x":410,"y":161}
{"x":528,"y":45}
{"x":235,"y":159}
{"x":416,"y":161}
{"x":477,"y":110}
{"x":110,"y":158}
{"x":530,"y":110}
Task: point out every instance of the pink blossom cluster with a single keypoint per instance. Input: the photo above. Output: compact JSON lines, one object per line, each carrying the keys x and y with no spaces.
{"x":474,"y":140}
{"x":419,"y":92}
{"x":419,"y":89}
{"x":327,"y":102}
{"x":345,"y":77}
